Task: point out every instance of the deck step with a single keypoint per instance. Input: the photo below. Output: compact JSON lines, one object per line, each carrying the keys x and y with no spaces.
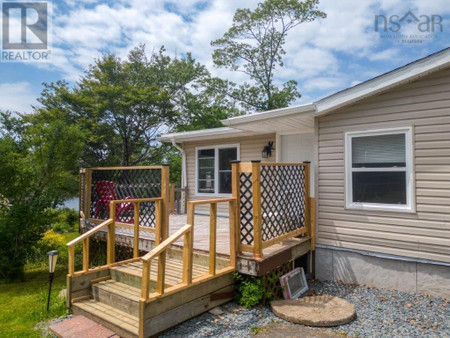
{"x":131,"y":273}
{"x":118,"y":295}
{"x":124,"y":324}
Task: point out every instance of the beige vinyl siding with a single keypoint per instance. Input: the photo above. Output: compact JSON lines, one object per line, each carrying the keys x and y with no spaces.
{"x":250,"y":149}
{"x":425,"y":105}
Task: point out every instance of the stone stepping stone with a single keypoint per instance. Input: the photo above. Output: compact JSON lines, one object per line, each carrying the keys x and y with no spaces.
{"x":325,"y":310}
{"x":80,"y":326}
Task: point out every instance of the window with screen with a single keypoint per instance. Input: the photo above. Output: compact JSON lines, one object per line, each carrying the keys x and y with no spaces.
{"x":214,"y":169}
{"x":378,"y":169}
{"x":206,"y":170}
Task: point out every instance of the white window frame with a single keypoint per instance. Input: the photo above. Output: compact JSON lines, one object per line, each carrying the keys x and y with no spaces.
{"x":410,"y":198}
{"x":216,"y":167}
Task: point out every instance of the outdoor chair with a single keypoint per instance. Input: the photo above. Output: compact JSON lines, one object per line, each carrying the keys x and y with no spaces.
{"x":106,"y":193}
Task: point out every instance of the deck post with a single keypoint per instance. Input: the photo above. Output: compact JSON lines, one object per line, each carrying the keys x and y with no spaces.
{"x":212,"y":238}
{"x":87,"y":193}
{"x":190,"y":220}
{"x":235,"y":233}
{"x":111,"y":237}
{"x":137,"y":206}
{"x":145,"y":280}
{"x":187,"y":258}
{"x":233,"y":229}
{"x":307,"y":197}
{"x":158,"y":222}
{"x":257,"y":222}
{"x":85,"y":254}
{"x":172,"y":198}
{"x":71,"y":252}
{"x":165,"y":194}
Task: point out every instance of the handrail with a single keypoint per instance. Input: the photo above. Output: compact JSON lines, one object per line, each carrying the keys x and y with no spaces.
{"x":89,"y":233}
{"x":215,"y":200}
{"x":128,"y":168}
{"x":137,"y":200}
{"x":110,"y":240}
{"x":163,"y":246}
{"x":159,"y":251}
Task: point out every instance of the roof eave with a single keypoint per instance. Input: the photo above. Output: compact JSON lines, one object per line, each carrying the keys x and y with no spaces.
{"x":267,"y":115}
{"x":203,"y":134}
{"x":382,"y":83}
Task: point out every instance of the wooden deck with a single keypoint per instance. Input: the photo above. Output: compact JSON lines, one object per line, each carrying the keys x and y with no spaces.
{"x":184,"y":265}
{"x":201,"y":234}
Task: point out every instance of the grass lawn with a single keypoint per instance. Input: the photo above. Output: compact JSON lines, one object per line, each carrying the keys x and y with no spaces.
{"x":23,"y":304}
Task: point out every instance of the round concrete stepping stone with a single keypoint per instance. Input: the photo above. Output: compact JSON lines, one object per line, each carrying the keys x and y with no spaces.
{"x":325,"y":310}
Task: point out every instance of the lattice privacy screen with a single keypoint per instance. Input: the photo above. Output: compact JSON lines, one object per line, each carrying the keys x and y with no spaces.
{"x":117,"y":184}
{"x":282,"y":202}
{"x":246,"y":212}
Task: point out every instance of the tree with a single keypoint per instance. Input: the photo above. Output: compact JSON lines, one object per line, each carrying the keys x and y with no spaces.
{"x":38,"y":175}
{"x":122,"y":106}
{"x":254,"y":45}
{"x":193,"y":92}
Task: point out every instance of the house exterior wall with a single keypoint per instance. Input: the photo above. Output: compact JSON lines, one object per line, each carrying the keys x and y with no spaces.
{"x":423,"y":105}
{"x":250,"y":149}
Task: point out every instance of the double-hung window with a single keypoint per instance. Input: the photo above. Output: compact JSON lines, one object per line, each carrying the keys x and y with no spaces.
{"x":379,"y":169}
{"x":213,"y":169}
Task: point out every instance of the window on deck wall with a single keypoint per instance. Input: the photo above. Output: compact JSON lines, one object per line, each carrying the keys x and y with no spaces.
{"x":214,"y":169}
{"x":379,"y":170}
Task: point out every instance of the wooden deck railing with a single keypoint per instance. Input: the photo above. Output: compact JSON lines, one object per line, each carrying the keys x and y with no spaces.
{"x":188,"y":251}
{"x":122,"y":182}
{"x":213,"y":228}
{"x":110,"y":225}
{"x":99,"y":185}
{"x":273,"y":203}
{"x":160,"y":251}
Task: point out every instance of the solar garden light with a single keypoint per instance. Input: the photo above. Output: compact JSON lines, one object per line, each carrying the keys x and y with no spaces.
{"x":52,"y":258}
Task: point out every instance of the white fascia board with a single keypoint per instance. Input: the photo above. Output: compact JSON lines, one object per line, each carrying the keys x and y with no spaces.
{"x":383,"y":82}
{"x":234,"y":121}
{"x":203,"y":134}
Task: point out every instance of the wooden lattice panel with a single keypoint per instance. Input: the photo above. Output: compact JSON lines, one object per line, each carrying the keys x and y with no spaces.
{"x":271,"y":281}
{"x":82,"y":190}
{"x":118,"y":184}
{"x":283,"y":200}
{"x":246,"y":208}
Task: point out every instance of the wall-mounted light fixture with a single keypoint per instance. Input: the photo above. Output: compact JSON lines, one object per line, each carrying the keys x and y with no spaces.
{"x":267,"y":150}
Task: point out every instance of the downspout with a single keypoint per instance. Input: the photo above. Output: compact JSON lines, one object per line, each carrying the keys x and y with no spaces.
{"x":183,"y":163}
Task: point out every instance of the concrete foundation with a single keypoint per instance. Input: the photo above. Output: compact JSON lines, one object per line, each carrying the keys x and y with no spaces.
{"x":409,"y":276}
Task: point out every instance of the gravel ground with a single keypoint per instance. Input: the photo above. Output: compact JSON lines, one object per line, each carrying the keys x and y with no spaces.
{"x":380,"y":312}
{"x":44,"y":326}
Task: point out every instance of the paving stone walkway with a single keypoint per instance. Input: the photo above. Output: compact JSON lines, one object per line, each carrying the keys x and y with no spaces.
{"x":80,"y":326}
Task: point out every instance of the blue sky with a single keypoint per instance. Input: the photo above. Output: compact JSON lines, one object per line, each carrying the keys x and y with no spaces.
{"x":323,"y":56}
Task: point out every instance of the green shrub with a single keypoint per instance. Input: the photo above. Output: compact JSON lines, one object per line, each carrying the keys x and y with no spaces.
{"x":249,"y":290}
{"x":63,"y":220}
{"x":52,"y":240}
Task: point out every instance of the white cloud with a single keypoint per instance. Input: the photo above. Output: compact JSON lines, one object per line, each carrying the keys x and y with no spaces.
{"x":387,"y":54}
{"x":17,"y":96}
{"x":321,"y":55}
{"x":324,"y":83}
